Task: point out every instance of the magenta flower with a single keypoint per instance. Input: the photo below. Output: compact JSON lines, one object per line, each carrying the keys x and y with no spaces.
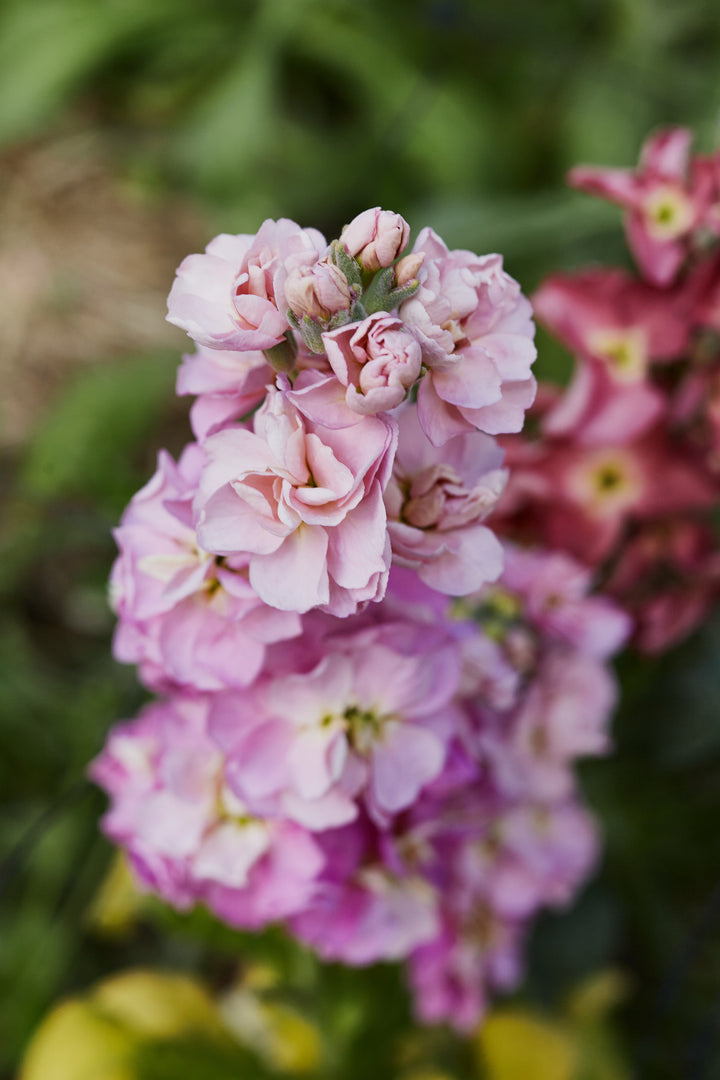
{"x":476,"y":332}
{"x":302,"y":500}
{"x":233,"y":296}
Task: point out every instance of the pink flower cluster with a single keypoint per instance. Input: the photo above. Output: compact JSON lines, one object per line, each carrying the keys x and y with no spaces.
{"x":370,"y":707}
{"x":622,"y":468}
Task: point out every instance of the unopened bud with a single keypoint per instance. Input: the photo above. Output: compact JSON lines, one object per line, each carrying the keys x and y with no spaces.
{"x":406,"y":270}
{"x":376,"y":237}
{"x":318,"y":291}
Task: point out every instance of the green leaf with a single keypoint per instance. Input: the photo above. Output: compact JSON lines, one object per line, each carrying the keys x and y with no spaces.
{"x":91,"y":435}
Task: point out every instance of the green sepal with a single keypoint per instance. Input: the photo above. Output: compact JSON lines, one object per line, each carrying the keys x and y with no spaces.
{"x":358,"y":312}
{"x":312,"y":334}
{"x":282,"y":356}
{"x":376,"y":295}
{"x":350,"y":267}
{"x":396,"y":296}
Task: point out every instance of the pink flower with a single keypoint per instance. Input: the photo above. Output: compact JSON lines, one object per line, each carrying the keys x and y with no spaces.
{"x":318,"y":291}
{"x":617,"y":320}
{"x":564,"y":715}
{"x":555,"y":593}
{"x":302,"y":500}
{"x":229,"y":385}
{"x":668,"y":576}
{"x":436,"y":501}
{"x":369,"y":721}
{"x":188,"y":837}
{"x":376,"y":237}
{"x":377,"y":360}
{"x":374,"y":917}
{"x":233,"y":296}
{"x":185,"y":617}
{"x":665,"y":198}
{"x":476,"y":332}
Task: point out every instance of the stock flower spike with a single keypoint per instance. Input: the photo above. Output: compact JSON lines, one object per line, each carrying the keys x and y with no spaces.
{"x":372,"y":704}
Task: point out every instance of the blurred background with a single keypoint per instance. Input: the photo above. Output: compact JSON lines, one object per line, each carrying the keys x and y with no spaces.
{"x":131,"y":132}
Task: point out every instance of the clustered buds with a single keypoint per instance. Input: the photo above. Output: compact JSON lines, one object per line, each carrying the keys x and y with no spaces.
{"x":370,"y":707}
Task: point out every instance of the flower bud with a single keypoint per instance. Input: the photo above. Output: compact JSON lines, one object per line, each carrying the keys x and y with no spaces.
{"x":406,"y":270}
{"x":376,"y":237}
{"x":318,"y":291}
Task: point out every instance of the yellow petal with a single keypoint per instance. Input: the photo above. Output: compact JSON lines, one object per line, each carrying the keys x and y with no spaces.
{"x":118,"y":902}
{"x":158,"y":1004}
{"x":74,"y":1043}
{"x":515,"y":1045}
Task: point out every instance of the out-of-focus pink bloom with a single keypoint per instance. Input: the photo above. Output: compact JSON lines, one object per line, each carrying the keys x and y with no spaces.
{"x":233,"y":296}
{"x":563,"y":716}
{"x":476,"y":332}
{"x":665,"y":197}
{"x":436,"y":502}
{"x":188,"y":837}
{"x":668,"y":575}
{"x":612,"y":317}
{"x":597,"y":410}
{"x":555,"y":592}
{"x":378,"y":361}
{"x":370,"y":918}
{"x":318,"y":291}
{"x":185,"y":617}
{"x":302,"y":499}
{"x":376,"y":237}
{"x":579,"y":499}
{"x":494,"y":880}
{"x":370,"y":721}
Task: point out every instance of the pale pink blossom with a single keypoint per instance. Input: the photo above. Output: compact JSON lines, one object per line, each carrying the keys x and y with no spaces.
{"x":233,"y":296}
{"x":228,"y":385}
{"x":302,"y":500}
{"x":185,"y":617}
{"x":376,"y":237}
{"x":437,"y":500}
{"x":187,"y":835}
{"x":366,"y":726}
{"x":476,"y":332}
{"x":378,"y":361}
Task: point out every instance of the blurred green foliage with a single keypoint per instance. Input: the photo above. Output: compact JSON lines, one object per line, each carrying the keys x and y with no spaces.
{"x":461,"y":114}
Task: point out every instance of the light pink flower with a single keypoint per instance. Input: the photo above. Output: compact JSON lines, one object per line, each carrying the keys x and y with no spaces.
{"x":187,"y":835}
{"x":233,"y":296}
{"x":476,"y":332}
{"x":374,"y":917}
{"x":555,"y":593}
{"x":302,"y":500}
{"x":436,"y":501}
{"x":229,"y":385}
{"x":185,"y":617}
{"x":376,"y":237}
{"x":377,"y":360}
{"x":368,"y":724}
